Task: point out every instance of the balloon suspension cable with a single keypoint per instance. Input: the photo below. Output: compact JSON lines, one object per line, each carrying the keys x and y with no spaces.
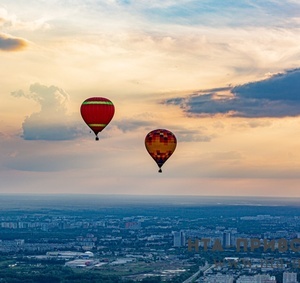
{"x":159,"y":171}
{"x":96,"y":138}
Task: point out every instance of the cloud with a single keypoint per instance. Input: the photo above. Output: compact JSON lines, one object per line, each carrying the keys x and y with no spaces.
{"x":44,"y":161}
{"x":253,"y":124}
{"x":11,"y":43}
{"x":2,"y":21}
{"x":131,"y":124}
{"x":283,"y":86}
{"x":12,"y":22}
{"x":1,"y":135}
{"x":277,"y":96}
{"x":223,"y":156}
{"x":188,"y":135}
{"x":8,"y":42}
{"x":52,"y":122}
{"x":216,"y":13}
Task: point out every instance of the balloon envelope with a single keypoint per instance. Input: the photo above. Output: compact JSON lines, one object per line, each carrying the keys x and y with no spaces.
{"x":160,"y":144}
{"x":97,"y":112}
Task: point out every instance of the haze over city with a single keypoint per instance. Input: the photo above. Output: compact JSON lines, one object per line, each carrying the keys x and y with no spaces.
{"x":223,"y":76}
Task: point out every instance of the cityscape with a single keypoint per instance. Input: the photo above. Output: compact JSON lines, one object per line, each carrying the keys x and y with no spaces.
{"x":163,"y":242}
{"x":149,"y":141}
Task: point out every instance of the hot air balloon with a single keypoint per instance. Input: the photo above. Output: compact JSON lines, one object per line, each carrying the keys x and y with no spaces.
{"x":97,"y":112}
{"x":160,"y":144}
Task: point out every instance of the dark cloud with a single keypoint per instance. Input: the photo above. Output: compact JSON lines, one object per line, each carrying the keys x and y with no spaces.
{"x":11,"y":43}
{"x":52,"y":122}
{"x":34,"y":128}
{"x":277,"y":96}
{"x":283,"y":87}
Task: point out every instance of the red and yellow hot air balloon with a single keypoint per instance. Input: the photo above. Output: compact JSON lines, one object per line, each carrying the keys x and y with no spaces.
{"x":97,"y":112}
{"x":160,"y":144}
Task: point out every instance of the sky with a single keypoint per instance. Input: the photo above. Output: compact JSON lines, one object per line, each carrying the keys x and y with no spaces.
{"x":223,"y":76}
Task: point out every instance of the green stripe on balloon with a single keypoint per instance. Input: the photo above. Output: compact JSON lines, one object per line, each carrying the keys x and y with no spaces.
{"x":97,"y":125}
{"x":98,"y":102}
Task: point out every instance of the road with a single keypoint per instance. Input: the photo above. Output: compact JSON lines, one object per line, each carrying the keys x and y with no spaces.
{"x":203,"y":269}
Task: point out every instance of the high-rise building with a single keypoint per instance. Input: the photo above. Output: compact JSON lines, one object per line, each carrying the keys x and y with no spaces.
{"x":226,"y":239}
{"x":179,"y":239}
{"x":290,"y":277}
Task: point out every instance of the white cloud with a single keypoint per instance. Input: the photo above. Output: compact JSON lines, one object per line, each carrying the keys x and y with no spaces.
{"x":11,"y":22}
{"x":52,"y":122}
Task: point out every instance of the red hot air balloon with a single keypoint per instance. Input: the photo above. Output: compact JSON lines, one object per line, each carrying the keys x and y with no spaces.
{"x":97,"y":112}
{"x":160,"y":144}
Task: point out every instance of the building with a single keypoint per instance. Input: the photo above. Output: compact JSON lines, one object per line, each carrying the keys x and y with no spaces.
{"x":259,"y":278}
{"x":133,"y":225}
{"x":69,"y":255}
{"x":226,"y":239}
{"x":245,"y":279}
{"x":290,"y":277}
{"x":219,"y":278}
{"x":178,"y":239}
